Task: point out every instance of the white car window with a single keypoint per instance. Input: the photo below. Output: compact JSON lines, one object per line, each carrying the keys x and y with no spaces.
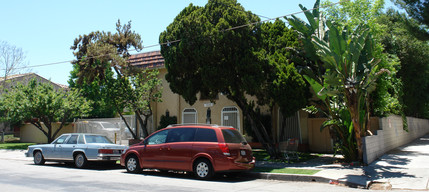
{"x":61,"y":139}
{"x":72,"y":140}
{"x":96,"y":139}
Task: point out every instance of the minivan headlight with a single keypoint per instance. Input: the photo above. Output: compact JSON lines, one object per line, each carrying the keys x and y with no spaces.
{"x":125,"y":150}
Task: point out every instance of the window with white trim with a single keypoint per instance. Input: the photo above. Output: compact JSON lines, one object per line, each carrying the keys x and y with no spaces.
{"x":231,"y":117}
{"x":189,"y":116}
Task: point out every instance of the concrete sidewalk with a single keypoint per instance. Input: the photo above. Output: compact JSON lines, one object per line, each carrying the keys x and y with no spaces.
{"x":406,"y":167}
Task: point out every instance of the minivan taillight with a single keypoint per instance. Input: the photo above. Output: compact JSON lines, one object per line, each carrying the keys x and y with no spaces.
{"x":224,"y":148}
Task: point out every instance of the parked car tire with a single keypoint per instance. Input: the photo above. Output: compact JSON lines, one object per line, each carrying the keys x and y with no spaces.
{"x":132,"y":164}
{"x":38,"y":158}
{"x":203,"y":169}
{"x":80,"y":160}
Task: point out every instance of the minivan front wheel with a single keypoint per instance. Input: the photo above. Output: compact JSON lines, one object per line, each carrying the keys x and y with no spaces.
{"x":132,"y":164}
{"x":203,"y":169}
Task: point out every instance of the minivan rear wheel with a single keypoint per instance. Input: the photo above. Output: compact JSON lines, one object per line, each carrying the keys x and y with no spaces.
{"x":203,"y":169}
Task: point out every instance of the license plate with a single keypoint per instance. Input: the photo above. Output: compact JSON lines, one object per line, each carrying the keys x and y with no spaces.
{"x":243,"y":152}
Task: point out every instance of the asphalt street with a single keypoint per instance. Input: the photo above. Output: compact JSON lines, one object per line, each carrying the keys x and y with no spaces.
{"x":18,"y":173}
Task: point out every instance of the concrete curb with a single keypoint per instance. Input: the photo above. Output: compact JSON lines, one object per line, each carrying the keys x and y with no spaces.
{"x":304,"y":178}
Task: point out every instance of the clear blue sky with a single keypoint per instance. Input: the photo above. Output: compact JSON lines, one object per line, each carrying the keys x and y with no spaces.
{"x":45,"y":30}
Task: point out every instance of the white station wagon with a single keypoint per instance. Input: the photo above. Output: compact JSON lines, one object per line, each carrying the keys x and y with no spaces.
{"x":78,"y":148}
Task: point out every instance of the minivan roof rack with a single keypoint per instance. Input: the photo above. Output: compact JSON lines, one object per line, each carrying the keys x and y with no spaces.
{"x":202,"y":124}
{"x":205,"y":124}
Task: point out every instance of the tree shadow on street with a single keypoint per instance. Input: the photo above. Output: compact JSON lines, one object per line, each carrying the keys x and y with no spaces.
{"x":97,"y":166}
{"x":219,"y":177}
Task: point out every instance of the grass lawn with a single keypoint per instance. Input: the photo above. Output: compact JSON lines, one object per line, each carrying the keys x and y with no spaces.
{"x":262,"y":155}
{"x":11,"y":142}
{"x":15,"y":145}
{"x":286,"y":170}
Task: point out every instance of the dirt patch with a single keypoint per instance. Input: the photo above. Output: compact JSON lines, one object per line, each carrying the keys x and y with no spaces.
{"x":380,"y":186}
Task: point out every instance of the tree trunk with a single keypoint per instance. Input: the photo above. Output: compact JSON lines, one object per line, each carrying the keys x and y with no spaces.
{"x":142,"y":123}
{"x":353,"y":106}
{"x":257,"y":127}
{"x":49,"y":127}
{"x":128,"y":126}
{"x":63,"y":121}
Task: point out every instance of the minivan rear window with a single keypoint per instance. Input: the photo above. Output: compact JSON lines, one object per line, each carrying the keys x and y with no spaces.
{"x":232,"y":136}
{"x":205,"y":135}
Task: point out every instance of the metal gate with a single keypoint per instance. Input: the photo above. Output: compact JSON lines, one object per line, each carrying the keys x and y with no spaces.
{"x":230,"y":117}
{"x":291,"y":129}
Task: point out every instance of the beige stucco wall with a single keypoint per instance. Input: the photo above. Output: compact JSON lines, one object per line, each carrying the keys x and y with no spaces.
{"x":31,"y":134}
{"x":216,"y":110}
{"x":170,"y":100}
{"x":175,"y":104}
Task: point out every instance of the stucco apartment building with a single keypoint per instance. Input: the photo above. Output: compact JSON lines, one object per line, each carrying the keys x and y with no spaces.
{"x":225,"y":112}
{"x":222,"y":112}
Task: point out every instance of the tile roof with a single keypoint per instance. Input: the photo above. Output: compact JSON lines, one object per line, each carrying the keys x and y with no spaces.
{"x":11,"y":77}
{"x":149,"y":60}
{"x":15,"y":76}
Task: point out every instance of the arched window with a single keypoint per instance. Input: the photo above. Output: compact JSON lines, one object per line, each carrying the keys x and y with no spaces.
{"x":231,"y":117}
{"x":189,"y":116}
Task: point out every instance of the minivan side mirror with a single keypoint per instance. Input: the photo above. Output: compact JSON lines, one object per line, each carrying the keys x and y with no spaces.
{"x":144,"y":142}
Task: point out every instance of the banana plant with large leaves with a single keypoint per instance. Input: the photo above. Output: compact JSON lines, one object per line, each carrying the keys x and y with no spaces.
{"x":342,"y":73}
{"x":351,"y":71}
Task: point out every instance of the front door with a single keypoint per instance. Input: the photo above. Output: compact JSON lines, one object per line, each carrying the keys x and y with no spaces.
{"x":153,"y":152}
{"x":55,"y":149}
{"x":69,"y":147}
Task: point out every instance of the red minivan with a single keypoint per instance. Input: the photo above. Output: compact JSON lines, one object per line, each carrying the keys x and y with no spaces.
{"x":202,"y":149}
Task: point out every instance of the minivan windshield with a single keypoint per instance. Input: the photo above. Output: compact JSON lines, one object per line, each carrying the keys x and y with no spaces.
{"x":232,"y":136}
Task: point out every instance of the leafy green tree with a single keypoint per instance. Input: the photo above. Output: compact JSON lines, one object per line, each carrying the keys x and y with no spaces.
{"x":419,"y":11}
{"x":413,"y":55}
{"x":146,"y":89}
{"x":355,"y":12}
{"x":39,"y":103}
{"x":385,"y":99}
{"x":97,"y":92}
{"x":102,"y":62}
{"x":212,"y":59}
{"x":285,"y":88}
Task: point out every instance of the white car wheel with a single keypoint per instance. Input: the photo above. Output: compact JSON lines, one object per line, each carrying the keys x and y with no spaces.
{"x":80,"y":160}
{"x":38,"y":158}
